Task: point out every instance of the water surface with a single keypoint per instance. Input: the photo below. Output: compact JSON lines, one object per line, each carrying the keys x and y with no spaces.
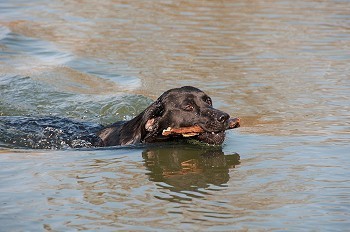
{"x":283,"y":67}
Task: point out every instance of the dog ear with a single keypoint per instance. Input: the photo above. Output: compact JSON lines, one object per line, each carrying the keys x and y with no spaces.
{"x":152,"y":115}
{"x":144,"y":126}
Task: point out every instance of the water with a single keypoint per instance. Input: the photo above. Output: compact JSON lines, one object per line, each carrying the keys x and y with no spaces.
{"x":280,"y":66}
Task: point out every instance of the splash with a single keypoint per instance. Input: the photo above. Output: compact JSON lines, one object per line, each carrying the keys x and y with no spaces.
{"x":47,"y":133}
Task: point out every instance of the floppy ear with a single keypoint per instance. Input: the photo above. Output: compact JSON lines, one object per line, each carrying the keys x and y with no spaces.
{"x":144,"y":127}
{"x":152,"y":115}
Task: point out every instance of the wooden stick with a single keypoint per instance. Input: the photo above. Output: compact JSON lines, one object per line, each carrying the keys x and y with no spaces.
{"x":195,"y":130}
{"x":191,"y":130}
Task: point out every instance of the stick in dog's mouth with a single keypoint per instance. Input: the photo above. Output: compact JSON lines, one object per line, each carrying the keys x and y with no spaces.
{"x":234,"y":123}
{"x":196,"y":130}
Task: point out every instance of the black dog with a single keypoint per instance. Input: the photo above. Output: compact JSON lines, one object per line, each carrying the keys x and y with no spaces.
{"x":181,"y":107}
{"x":176,"y":108}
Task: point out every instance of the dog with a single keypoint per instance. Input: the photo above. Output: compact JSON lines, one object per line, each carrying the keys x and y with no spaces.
{"x":176,"y":108}
{"x":179,"y":108}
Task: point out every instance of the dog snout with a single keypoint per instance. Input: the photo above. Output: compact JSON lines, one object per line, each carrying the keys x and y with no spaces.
{"x":222,"y":117}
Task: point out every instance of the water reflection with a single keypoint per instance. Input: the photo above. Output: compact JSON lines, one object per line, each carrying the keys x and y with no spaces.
{"x":189,"y":168}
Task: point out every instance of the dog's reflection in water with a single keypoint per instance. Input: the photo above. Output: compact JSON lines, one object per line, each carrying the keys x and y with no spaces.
{"x":189,"y":168}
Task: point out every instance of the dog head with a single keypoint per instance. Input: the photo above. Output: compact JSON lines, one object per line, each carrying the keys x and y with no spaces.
{"x":184,"y":107}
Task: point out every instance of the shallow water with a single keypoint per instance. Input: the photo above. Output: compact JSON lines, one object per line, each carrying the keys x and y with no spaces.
{"x":280,"y":66}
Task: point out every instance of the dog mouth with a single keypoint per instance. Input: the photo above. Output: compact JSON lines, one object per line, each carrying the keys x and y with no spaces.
{"x":211,"y":138}
{"x":218,"y":137}
{"x":214,"y":137}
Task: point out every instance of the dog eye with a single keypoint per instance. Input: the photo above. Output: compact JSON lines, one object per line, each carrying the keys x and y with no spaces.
{"x":188,"y":107}
{"x":208,"y":100}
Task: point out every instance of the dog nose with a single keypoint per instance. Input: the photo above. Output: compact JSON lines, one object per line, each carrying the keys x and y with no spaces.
{"x":223,"y":117}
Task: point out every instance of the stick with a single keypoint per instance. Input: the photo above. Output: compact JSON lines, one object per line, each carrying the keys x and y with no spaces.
{"x":195,"y":130}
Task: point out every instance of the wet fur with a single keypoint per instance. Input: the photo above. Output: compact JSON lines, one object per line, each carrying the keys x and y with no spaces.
{"x":179,"y":107}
